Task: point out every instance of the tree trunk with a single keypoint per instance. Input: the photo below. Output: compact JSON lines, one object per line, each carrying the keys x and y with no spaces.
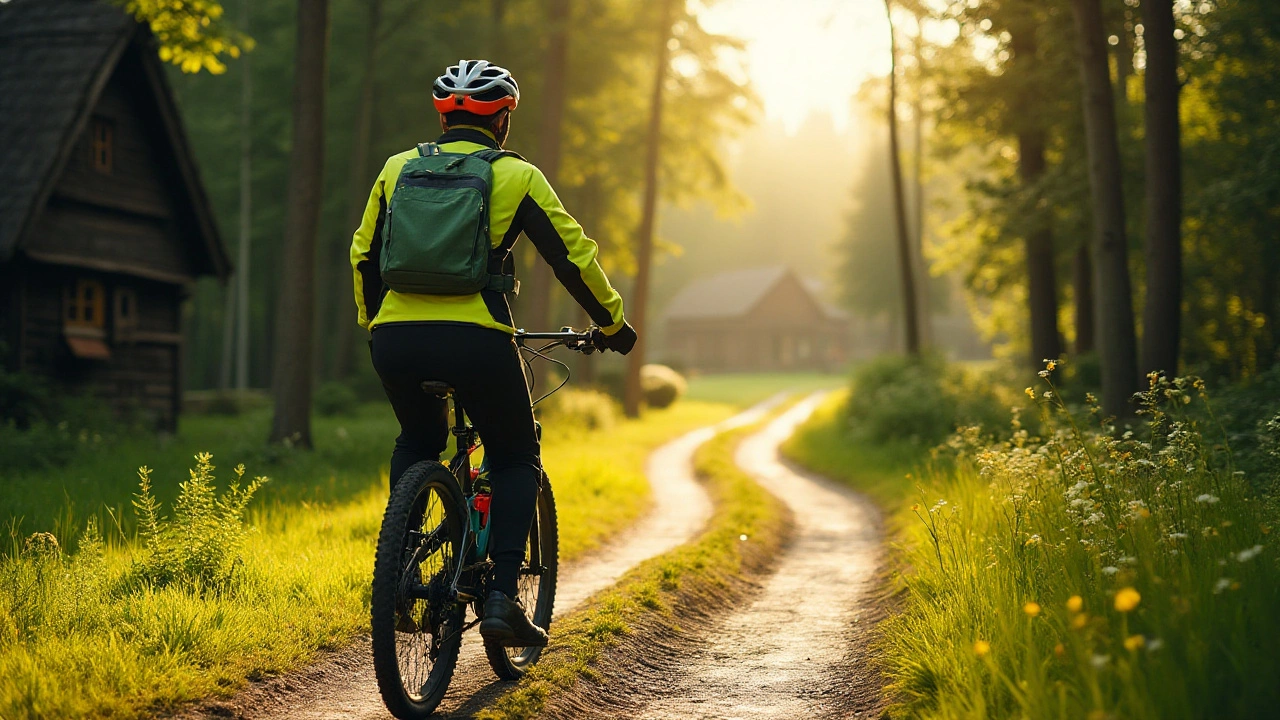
{"x":246,"y":211}
{"x":632,"y":396}
{"x":1042,"y":278}
{"x":295,"y":317}
{"x":228,"y":333}
{"x":1161,"y":317}
{"x":1082,"y":283}
{"x":911,"y":313}
{"x":555,"y":70}
{"x":1114,"y":312}
{"x":922,"y":267}
{"x":358,"y":183}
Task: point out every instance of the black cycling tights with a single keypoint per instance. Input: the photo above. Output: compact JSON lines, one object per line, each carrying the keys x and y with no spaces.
{"x":484,"y":367}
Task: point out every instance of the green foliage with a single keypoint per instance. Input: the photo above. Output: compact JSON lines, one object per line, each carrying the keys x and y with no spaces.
{"x":200,"y":546}
{"x":42,"y":429}
{"x":661,"y":386}
{"x":920,"y":400}
{"x":334,"y":398}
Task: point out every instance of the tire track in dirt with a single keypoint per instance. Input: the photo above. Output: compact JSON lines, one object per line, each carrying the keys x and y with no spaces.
{"x":343,"y":687}
{"x":798,"y":649}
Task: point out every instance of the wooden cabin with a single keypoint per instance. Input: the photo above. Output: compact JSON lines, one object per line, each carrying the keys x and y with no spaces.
{"x":104,"y":223}
{"x":757,"y":320}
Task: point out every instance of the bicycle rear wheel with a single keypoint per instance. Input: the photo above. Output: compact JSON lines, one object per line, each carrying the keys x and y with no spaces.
{"x":415,"y":622}
{"x":536,"y":587}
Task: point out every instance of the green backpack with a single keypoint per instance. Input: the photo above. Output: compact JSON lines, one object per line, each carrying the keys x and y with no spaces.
{"x":435,"y":240}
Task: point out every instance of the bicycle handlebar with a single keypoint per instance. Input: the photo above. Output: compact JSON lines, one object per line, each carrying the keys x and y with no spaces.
{"x":583,"y":341}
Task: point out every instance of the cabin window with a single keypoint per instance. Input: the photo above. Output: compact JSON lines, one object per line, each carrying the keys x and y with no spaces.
{"x":103,"y":141}
{"x":124,"y":318}
{"x":84,"y":305}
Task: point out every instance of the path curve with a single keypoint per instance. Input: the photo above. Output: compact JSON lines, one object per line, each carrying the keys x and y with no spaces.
{"x":791,"y":653}
{"x":343,"y":686}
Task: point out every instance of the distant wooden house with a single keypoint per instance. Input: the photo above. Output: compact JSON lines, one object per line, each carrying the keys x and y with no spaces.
{"x":104,"y":223}
{"x":764,"y":319}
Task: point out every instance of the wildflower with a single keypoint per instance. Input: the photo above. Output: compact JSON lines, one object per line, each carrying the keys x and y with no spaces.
{"x":1178,"y":536}
{"x":1043,"y":373}
{"x":1154,"y":644}
{"x":1048,"y":394}
{"x":1032,"y":609}
{"x":1051,"y":365}
{"x":1207,"y":498}
{"x":981,"y":648}
{"x":1060,"y":650}
{"x":1079,"y":621}
{"x":1075,"y":603}
{"x":742,"y":538}
{"x":915,"y":507}
{"x":1110,"y":570}
{"x":1099,"y":661}
{"x":1030,"y":393}
{"x":1033,"y":540}
{"x":1221,"y":585}
{"x":1134,"y":643}
{"x":1127,"y":599}
{"x":1266,"y":529}
{"x":1248,"y":554}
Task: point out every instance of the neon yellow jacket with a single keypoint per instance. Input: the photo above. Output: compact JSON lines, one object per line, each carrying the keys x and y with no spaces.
{"x":521,"y":200}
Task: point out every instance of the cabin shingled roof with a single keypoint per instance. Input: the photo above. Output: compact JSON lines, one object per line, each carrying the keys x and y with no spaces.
{"x":51,"y":54}
{"x":55,"y":58}
{"x":734,"y":293}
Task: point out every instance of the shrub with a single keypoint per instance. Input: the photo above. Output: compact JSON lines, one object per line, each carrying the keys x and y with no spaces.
{"x":921,"y":399}
{"x":200,"y":545}
{"x":661,"y":385}
{"x":583,"y":409}
{"x":335,"y":398}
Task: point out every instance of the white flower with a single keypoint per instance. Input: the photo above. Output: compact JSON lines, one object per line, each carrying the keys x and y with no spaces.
{"x":1154,"y":644}
{"x":1222,"y":584}
{"x":1248,"y":554}
{"x":1094,"y":518}
{"x":1178,"y":536}
{"x":1207,"y":498}
{"x":1099,"y":661}
{"x":1110,"y":570}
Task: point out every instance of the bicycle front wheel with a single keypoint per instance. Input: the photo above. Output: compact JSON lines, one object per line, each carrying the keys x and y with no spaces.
{"x":536,"y":587}
{"x":415,"y":621}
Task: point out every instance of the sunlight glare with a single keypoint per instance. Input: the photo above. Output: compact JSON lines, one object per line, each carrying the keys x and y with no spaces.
{"x":806,"y":55}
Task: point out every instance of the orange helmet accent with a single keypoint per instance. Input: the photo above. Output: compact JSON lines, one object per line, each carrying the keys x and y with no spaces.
{"x":470,"y":104}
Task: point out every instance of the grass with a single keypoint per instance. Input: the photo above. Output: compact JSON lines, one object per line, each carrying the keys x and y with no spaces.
{"x":1078,"y":575}
{"x":746,"y":389}
{"x":747,"y":527}
{"x":81,"y":636}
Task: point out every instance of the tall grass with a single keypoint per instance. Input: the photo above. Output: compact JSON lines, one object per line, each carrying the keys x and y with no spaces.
{"x":161,"y":612}
{"x":1089,"y":572}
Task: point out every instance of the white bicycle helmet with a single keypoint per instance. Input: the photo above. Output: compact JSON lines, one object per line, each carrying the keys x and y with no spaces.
{"x":476,"y":86}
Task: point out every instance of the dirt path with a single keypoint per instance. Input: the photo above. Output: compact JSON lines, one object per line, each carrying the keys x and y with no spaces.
{"x":343,"y":687}
{"x":796,"y":650}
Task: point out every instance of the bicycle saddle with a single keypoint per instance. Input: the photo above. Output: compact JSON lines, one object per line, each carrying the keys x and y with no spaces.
{"x":437,"y":388}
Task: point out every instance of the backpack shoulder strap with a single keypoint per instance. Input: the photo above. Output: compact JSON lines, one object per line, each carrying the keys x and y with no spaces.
{"x":428,"y":149}
{"x":492,"y":156}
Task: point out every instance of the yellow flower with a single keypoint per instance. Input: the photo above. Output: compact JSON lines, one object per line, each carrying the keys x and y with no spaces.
{"x":1127,"y":599}
{"x":915,"y":507}
{"x":1030,"y":393}
{"x":1032,"y":609}
{"x":1060,"y":650}
{"x":981,"y":648}
{"x":1075,"y":603}
{"x":1051,"y":365}
{"x":1134,"y":643}
{"x":1079,"y":621}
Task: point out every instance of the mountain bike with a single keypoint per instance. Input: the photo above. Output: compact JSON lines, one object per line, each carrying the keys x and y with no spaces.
{"x":432,"y":559}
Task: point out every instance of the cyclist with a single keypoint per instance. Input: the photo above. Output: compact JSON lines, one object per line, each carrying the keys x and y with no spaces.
{"x":466,"y":340}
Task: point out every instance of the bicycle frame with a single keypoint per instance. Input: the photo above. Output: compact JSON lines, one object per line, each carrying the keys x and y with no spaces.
{"x":474,"y":563}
